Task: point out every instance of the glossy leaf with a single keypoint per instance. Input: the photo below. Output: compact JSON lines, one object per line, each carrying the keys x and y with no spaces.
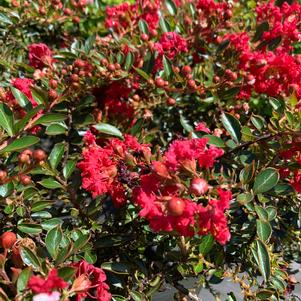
{"x":20,"y":144}
{"x":108,"y":129}
{"x":232,"y":125}
{"x":6,"y":119}
{"x":56,"y":154}
{"x":53,"y":240}
{"x":266,"y":180}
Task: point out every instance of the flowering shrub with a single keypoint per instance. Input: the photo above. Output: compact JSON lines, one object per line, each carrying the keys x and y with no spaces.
{"x":148,"y":142}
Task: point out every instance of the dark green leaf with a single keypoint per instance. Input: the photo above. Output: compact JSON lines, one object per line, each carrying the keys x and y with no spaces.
{"x":24,"y":121}
{"x":261,"y":28}
{"x":53,"y":239}
{"x":6,"y":119}
{"x":116,"y":267}
{"x":142,"y":73}
{"x":23,"y":279}
{"x":143,"y":26}
{"x":206,"y":244}
{"x":50,"y":183}
{"x":56,"y":154}
{"x":129,"y":61}
{"x":50,"y":118}
{"x":265,"y":180}
{"x":171,"y":7}
{"x":30,"y":258}
{"x":51,"y":223}
{"x":29,"y":228}
{"x":264,"y":230}
{"x":66,"y":273}
{"x":164,"y":25}
{"x":69,"y":168}
{"x":108,"y":129}
{"x":167,"y":67}
{"x":20,"y":144}
{"x":232,"y":125}
{"x":214,"y":140}
{"x":56,"y":129}
{"x":263,"y":260}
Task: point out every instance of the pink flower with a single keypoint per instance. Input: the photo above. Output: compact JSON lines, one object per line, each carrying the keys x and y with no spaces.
{"x":201,"y":126}
{"x":40,"y":55}
{"x":54,"y":296}
{"x":40,"y":285}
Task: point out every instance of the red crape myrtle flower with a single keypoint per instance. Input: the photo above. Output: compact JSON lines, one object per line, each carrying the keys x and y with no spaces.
{"x":40,"y":285}
{"x":212,"y":219}
{"x":160,"y":194}
{"x":40,"y":55}
{"x":104,"y":165}
{"x":94,"y":280}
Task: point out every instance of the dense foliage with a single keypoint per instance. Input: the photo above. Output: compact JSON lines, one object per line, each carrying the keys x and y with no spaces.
{"x":147,"y":142}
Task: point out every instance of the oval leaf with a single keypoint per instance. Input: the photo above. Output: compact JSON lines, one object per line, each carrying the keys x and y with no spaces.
{"x":232,"y":125}
{"x":266,"y":180}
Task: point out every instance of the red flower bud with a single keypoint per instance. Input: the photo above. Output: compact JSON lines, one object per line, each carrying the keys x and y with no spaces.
{"x":8,"y":239}
{"x":39,"y":155}
{"x":176,"y":206}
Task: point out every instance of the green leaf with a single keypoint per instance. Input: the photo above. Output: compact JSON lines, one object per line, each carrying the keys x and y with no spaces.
{"x":24,"y":121}
{"x":20,"y":144}
{"x":40,"y":205}
{"x":66,"y":273}
{"x":6,"y":189}
{"x":167,"y":67}
{"x":116,"y":267}
{"x":29,"y":228}
{"x":30,"y":258}
{"x":56,"y":129}
{"x":41,"y":214}
{"x":22,"y":99}
{"x":232,"y":125}
{"x":258,"y":122}
{"x":213,"y":140}
{"x":264,"y":230}
{"x":142,"y":73}
{"x":51,"y":223}
{"x":164,"y":25}
{"x":7,"y":119}
{"x":262,"y":213}
{"x":246,"y":174}
{"x":272,"y":213}
{"x":185,"y":124}
{"x":108,"y":129}
{"x":53,"y":239}
{"x":129,"y":61}
{"x":266,"y":180}
{"x":171,"y":7}
{"x":50,"y":183}
{"x":50,"y":118}
{"x":81,"y":242}
{"x":69,"y":168}
{"x":23,"y":279}
{"x":143,"y":26}
{"x":206,"y":244}
{"x":264,"y":295}
{"x":137,"y":296}
{"x":56,"y":154}
{"x":5,"y":19}
{"x":263,"y":260}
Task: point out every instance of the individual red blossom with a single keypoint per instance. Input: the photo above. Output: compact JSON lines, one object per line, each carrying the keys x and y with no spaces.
{"x":153,"y":197}
{"x":114,"y":99}
{"x":100,"y":166}
{"x":40,"y":285}
{"x":201,"y":126}
{"x":40,"y":55}
{"x":170,"y":45}
{"x":212,"y":218}
{"x":24,"y":85}
{"x":116,"y":15}
{"x":97,"y":279}
{"x":98,"y":170}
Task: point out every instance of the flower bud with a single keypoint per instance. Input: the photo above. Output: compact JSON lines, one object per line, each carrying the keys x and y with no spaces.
{"x":160,"y":169}
{"x":81,"y":284}
{"x":198,"y":186}
{"x":176,"y":206}
{"x":39,"y":155}
{"x":8,"y":239}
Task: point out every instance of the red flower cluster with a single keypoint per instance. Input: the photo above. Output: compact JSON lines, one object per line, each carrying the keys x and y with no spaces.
{"x":40,"y":56}
{"x":105,"y":167}
{"x":40,"y":285}
{"x":91,"y":278}
{"x":114,"y":99}
{"x":170,"y":44}
{"x":284,"y":22}
{"x":161,"y":193}
{"x":122,"y":15}
{"x":275,"y":72}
